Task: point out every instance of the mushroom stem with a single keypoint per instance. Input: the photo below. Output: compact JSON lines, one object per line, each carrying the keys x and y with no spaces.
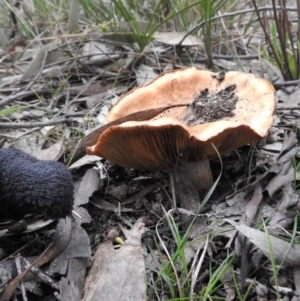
{"x":199,"y":173}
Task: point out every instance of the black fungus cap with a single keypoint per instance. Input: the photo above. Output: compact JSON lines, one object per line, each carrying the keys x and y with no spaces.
{"x":29,"y":185}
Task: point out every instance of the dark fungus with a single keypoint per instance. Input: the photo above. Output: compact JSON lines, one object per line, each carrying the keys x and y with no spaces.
{"x":32,"y":186}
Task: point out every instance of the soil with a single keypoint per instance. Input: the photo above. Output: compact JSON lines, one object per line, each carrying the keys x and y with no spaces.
{"x":208,"y":107}
{"x":131,"y":182}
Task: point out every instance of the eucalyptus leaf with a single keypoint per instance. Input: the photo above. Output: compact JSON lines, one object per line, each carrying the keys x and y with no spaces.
{"x":37,"y":62}
{"x":73,"y":16}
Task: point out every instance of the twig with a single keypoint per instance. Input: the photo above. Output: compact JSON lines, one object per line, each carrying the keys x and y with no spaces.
{"x":287,"y":108}
{"x":229,"y":57}
{"x":172,"y":184}
{"x":19,"y":269}
{"x":231,"y":14}
{"x":44,"y":277}
{"x":25,"y":91}
{"x":6,"y":125}
{"x":8,"y":291}
{"x":287,"y":83}
{"x":10,"y":256}
{"x":18,"y":95}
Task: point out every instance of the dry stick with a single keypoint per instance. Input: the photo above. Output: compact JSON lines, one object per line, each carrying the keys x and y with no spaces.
{"x":7,"y":125}
{"x":25,"y":91}
{"x":276,"y":167}
{"x":263,"y":22}
{"x":287,"y":108}
{"x":229,"y":57}
{"x":12,"y":255}
{"x":298,"y":15}
{"x":232,"y":14}
{"x":19,"y":269}
{"x":9,"y":290}
{"x":19,"y":95}
{"x":293,"y":47}
{"x":287,"y":83}
{"x":261,"y":67}
{"x":52,"y":67}
{"x":58,"y":244}
{"x":42,"y":276}
{"x":217,"y":56}
{"x":14,"y":20}
{"x":281,"y":21}
{"x":172,"y":184}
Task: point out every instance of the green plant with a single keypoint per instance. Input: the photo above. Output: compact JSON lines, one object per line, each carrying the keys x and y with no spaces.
{"x":241,"y":295}
{"x":178,"y":280}
{"x":143,"y":31}
{"x":167,"y":273}
{"x":273,"y":264}
{"x":283,"y":40}
{"x":215,"y":276}
{"x":207,"y":10}
{"x":14,"y":109}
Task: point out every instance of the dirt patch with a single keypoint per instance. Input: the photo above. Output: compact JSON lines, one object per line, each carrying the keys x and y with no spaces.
{"x":208,"y":107}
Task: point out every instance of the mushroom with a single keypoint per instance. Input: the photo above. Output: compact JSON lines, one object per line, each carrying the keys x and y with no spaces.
{"x":206,"y":110}
{"x":29,"y":185}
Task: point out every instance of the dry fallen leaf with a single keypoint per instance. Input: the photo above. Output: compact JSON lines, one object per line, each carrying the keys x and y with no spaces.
{"x":54,"y":152}
{"x":76,"y":255}
{"x":174,"y":38}
{"x":31,"y":227}
{"x":89,"y":184}
{"x":118,"y":274}
{"x":144,"y":74}
{"x":283,"y":251}
{"x":45,"y":54}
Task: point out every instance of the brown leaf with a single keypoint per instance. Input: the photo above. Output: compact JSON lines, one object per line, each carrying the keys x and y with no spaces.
{"x":283,"y":251}
{"x":118,"y":274}
{"x":89,"y":184}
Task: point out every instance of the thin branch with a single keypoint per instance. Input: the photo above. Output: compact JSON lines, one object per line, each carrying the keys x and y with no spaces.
{"x":263,"y":23}
{"x":25,"y":90}
{"x":20,"y":95}
{"x":232,"y":14}
{"x":13,"y":125}
{"x":287,"y":83}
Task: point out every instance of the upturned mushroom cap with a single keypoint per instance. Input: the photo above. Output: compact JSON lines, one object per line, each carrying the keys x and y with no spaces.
{"x":184,"y":133}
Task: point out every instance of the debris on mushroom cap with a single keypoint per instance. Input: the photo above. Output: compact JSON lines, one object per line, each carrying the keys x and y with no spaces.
{"x":239,"y":109}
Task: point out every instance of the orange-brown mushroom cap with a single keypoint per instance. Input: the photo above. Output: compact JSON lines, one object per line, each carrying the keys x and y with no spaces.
{"x":157,"y":144}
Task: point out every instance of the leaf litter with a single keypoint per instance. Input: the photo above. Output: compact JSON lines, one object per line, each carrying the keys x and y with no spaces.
{"x":106,"y":279}
{"x":265,"y":192}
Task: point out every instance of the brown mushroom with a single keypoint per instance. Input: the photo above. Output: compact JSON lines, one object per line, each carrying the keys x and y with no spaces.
{"x":226,"y":111}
